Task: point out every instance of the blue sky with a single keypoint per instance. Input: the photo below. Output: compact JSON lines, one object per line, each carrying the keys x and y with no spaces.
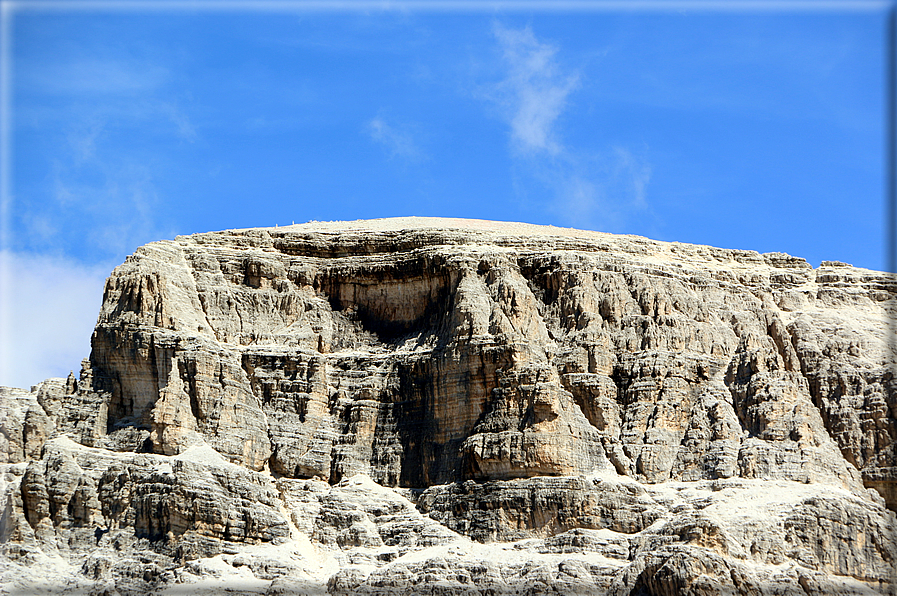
{"x":751,"y":129}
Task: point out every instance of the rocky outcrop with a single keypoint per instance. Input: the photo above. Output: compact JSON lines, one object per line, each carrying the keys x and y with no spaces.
{"x":419,"y":405}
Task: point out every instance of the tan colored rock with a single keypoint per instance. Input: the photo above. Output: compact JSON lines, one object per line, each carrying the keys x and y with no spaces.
{"x":639,"y":334}
{"x":341,"y":407}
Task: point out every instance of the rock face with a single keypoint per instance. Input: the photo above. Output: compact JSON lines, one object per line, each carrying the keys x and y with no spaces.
{"x":462,"y":407}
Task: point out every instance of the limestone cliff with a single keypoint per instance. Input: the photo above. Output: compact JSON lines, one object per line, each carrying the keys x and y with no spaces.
{"x":456,"y":406}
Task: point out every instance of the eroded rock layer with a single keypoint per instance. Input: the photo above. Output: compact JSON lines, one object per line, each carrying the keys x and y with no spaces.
{"x":450,"y":406}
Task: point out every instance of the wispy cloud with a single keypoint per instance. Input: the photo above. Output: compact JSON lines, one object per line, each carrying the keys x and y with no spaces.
{"x":587,"y":187}
{"x":398,"y":142}
{"x":596,"y":189}
{"x":101,"y":190}
{"x":93,"y":75}
{"x":535,"y":91}
{"x":184,"y":128}
{"x":119,"y":198}
{"x":83,"y":143}
{"x":635,"y":171}
{"x":48,"y":308}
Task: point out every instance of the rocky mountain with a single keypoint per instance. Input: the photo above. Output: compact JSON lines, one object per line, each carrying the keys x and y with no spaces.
{"x":430,"y":406}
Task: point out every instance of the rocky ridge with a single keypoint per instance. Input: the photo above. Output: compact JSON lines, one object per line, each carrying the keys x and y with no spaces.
{"x":434,"y":406}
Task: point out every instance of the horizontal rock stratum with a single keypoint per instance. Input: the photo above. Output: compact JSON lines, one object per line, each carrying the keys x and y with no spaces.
{"x":437,"y":406}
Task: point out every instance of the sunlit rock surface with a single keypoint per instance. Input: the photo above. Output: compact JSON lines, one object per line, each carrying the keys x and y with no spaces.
{"x":442,"y":406}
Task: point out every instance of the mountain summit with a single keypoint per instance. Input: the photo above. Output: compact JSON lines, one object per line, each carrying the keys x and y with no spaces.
{"x":424,"y":405}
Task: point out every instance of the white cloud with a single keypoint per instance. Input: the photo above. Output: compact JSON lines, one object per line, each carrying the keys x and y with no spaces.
{"x":399,"y":143}
{"x":48,"y":308}
{"x":587,"y":188}
{"x":535,"y":91}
